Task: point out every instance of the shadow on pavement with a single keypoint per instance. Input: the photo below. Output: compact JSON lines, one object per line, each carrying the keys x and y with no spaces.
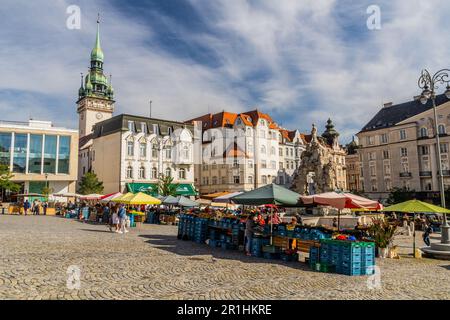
{"x":193,"y":249}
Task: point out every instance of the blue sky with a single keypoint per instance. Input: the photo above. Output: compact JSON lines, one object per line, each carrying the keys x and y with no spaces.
{"x":301,"y":61}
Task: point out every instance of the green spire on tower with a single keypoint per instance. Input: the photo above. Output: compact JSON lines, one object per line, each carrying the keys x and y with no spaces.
{"x":97,"y":53}
{"x":96,"y":83}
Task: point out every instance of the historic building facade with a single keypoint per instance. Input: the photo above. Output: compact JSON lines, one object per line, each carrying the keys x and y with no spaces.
{"x":397,"y":148}
{"x":353,"y":165}
{"x":129,"y":153}
{"x":39,"y":155}
{"x":244,"y":151}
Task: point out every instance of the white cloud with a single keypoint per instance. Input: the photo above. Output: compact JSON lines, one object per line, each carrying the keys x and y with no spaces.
{"x":294,"y":57}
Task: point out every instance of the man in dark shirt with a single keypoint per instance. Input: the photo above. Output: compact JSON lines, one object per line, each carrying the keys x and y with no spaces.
{"x":249,"y":231}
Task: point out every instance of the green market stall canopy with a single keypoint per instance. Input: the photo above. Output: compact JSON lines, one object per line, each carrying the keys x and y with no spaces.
{"x":183,"y":189}
{"x":269,"y":194}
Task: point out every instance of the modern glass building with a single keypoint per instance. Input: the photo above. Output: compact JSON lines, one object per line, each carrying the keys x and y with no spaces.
{"x":39,"y":155}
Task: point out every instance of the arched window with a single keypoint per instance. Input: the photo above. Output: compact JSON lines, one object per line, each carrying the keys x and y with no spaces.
{"x":168,"y":172}
{"x":441,"y":129}
{"x":130,"y":172}
{"x":272,"y":151}
{"x":142,"y":173}
{"x":143,"y":149}
{"x":154,"y":173}
{"x":423,"y":132}
{"x":263,"y":149}
{"x":154,"y":150}
{"x":182,"y":174}
{"x":130,"y":148}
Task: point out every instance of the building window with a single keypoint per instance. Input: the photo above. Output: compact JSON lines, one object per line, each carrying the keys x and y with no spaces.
{"x":263,"y":149}
{"x":143,"y":150}
{"x":64,"y":154}
{"x":186,"y":152}
{"x":264,"y":179}
{"x":236,"y":180}
{"x":441,"y":129}
{"x":273,"y":164}
{"x":35,"y":154}
{"x":131,"y":126}
{"x":130,"y":172}
{"x":168,"y":153}
{"x":404,"y":152}
{"x":168,"y":172}
{"x":423,"y":150}
{"x":444,"y":147}
{"x":385,"y":154}
{"x":387,"y":169}
{"x":423,"y":132}
{"x":144,"y":128}
{"x":182,"y":174}
{"x":384,"y":138}
{"x":235,"y":163}
{"x":154,"y":173}
{"x":224,"y":180}
{"x":281,"y":152}
{"x":402,"y":134}
{"x":281,"y":165}
{"x":373,"y":172}
{"x":130,"y":148}
{"x":372,"y":155}
{"x":405,"y":167}
{"x":250,"y":179}
{"x":263,"y":164}
{"x":250,"y":164}
{"x":154,"y":150}
{"x":272,"y":151}
{"x":50,"y":154}
{"x":141,"y":173}
{"x":370,"y":140}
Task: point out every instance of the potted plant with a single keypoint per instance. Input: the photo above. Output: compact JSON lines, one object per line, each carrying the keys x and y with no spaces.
{"x":383,"y":234}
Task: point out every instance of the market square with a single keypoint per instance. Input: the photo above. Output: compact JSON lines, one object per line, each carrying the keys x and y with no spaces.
{"x":151,"y":263}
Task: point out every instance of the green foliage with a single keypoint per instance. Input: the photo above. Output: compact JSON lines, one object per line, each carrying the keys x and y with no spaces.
{"x":90,"y":184}
{"x":46,"y":191}
{"x":383,"y":232}
{"x":5,"y":179}
{"x":398,"y":195}
{"x":166,"y":187}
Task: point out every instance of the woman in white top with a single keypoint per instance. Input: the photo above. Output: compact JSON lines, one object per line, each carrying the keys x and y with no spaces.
{"x":115,"y":219}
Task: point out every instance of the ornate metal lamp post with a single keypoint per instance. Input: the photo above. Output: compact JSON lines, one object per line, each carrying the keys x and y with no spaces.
{"x":429,"y":83}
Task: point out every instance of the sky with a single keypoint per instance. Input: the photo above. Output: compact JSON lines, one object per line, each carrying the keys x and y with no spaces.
{"x":302,"y":61}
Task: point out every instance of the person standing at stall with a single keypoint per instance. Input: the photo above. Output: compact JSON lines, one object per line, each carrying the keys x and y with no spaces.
{"x":44,"y":207}
{"x":249,"y":231}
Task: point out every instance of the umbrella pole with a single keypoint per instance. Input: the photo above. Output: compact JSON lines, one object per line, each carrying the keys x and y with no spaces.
{"x":414,"y":236}
{"x":271,"y":226}
{"x":339,"y":220}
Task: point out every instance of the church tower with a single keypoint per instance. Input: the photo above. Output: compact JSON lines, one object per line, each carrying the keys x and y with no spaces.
{"x":96,"y":95}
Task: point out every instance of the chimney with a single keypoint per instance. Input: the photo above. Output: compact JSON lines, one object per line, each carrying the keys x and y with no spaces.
{"x":387,"y":105}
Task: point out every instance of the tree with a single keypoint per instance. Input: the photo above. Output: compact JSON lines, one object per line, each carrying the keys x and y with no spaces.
{"x":90,"y":184}
{"x":5,"y":180}
{"x":46,"y":191}
{"x":398,"y":195}
{"x":166,"y":187}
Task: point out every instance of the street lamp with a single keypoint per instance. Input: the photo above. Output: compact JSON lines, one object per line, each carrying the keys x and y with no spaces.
{"x":429,"y":83}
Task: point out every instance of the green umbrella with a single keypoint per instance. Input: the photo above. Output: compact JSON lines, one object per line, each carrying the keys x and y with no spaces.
{"x":269,"y":194}
{"x":415,"y":206}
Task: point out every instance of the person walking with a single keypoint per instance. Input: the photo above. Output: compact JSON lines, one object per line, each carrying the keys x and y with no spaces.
{"x":426,"y":235}
{"x":123,"y":219}
{"x":115,"y":219}
{"x":26,"y":207}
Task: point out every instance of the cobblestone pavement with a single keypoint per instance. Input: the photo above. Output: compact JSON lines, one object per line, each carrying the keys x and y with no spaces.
{"x":150,"y":263}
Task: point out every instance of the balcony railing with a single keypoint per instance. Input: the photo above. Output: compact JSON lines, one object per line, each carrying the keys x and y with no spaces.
{"x":405,"y":174}
{"x":425,"y":173}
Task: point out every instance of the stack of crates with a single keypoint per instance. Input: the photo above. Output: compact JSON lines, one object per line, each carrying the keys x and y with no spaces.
{"x":256,"y":246}
{"x":235,"y":229}
{"x":314,"y":256}
{"x":349,"y":257}
{"x":200,"y":230}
